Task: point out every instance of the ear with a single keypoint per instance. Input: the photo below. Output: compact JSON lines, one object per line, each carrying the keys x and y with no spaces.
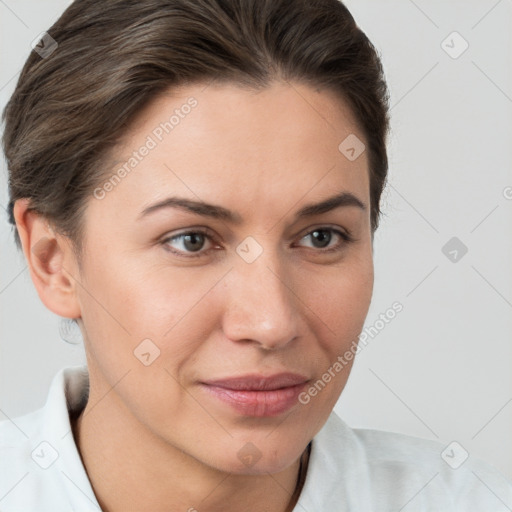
{"x":51,"y":261}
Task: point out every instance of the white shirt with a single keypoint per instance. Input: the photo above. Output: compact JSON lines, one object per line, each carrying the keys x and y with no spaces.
{"x":350,"y":469}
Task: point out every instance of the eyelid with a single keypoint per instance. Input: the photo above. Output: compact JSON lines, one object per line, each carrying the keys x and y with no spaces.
{"x":346,"y":238}
{"x":202,"y":231}
{"x":186,"y":231}
{"x":345,"y":233}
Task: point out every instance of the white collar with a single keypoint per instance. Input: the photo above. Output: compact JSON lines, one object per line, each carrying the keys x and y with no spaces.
{"x":349,"y":469}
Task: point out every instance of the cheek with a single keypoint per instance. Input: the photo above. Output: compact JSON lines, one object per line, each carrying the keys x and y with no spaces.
{"x":135,"y":315}
{"x":341,"y":296}
{"x":340,"y":308}
{"x":127,"y":301}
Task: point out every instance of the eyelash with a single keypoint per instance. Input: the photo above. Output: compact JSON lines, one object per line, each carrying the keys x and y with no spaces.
{"x":346,"y":237}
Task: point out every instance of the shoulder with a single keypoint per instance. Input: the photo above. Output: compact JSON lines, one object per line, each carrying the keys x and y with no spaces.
{"x":403,"y":472}
{"x":23,"y":457}
{"x":16,"y":436}
{"x":444,"y":472}
{"x":40,"y":467}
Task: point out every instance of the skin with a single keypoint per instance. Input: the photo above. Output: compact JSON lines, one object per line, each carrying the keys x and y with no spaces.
{"x":295,"y":308}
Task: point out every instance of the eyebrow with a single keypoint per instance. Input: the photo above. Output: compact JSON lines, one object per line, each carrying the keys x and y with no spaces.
{"x":343,"y":199}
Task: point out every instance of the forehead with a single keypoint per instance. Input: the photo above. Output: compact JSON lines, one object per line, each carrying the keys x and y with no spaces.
{"x":237,"y":144}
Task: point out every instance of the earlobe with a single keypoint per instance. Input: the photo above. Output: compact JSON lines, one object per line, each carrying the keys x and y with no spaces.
{"x":48,"y":255}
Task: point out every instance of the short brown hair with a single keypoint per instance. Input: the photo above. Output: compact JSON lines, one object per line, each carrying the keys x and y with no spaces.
{"x":113,"y":57}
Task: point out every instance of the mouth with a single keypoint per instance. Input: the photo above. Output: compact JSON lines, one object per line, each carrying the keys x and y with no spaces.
{"x":257,"y":395}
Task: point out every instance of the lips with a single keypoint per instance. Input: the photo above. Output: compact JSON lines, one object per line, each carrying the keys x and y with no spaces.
{"x":257,"y":395}
{"x":258,"y":382}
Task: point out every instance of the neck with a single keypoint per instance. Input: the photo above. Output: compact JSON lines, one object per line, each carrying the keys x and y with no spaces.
{"x":130,"y":468}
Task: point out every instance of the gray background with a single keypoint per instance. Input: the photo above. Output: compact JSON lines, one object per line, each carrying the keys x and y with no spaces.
{"x":442,"y":368}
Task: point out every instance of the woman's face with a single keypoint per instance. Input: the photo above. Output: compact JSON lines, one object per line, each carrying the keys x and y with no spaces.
{"x":248,"y":280}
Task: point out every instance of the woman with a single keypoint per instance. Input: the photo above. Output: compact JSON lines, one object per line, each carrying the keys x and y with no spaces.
{"x":198,"y":185}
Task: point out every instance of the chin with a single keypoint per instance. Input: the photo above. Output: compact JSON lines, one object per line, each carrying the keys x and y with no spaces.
{"x":263,"y":466}
{"x":260,"y":459}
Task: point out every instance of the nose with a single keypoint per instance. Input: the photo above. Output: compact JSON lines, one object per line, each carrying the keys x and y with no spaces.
{"x":261,"y":305}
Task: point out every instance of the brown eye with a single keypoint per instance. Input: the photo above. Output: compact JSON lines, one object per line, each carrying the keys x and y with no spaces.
{"x":321,"y":239}
{"x":186,"y":243}
{"x":193,"y":241}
